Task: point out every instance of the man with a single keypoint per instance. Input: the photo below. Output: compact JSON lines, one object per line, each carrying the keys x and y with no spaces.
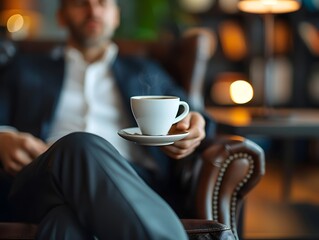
{"x":83,"y":186}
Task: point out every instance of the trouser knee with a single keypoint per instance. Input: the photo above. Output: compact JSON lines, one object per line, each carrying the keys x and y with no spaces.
{"x":82,"y":146}
{"x":81,"y":141}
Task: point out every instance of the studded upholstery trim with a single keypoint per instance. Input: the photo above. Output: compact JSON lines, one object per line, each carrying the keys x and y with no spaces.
{"x":223,"y":169}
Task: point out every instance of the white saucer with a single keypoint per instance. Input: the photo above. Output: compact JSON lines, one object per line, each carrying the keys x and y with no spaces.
{"x":134,"y":134}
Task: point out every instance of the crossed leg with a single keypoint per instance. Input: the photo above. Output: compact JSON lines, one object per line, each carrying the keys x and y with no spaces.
{"x":102,"y":193}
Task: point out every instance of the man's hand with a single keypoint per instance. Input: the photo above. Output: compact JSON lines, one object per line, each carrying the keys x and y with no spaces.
{"x":18,"y":150}
{"x":193,"y":123}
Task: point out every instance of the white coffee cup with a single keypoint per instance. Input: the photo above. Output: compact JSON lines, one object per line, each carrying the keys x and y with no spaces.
{"x":155,"y":115}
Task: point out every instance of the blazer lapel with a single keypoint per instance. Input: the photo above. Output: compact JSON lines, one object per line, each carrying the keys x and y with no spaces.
{"x":124,"y":78}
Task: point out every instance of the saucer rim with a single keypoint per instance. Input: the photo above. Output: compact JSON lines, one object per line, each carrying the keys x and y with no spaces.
{"x":152,"y":136}
{"x":151,"y":140}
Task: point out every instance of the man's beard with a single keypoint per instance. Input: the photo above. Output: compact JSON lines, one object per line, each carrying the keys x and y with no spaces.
{"x":91,"y":41}
{"x":85,"y":41}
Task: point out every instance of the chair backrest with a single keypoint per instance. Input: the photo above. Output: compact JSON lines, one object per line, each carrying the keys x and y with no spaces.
{"x":185,"y":58}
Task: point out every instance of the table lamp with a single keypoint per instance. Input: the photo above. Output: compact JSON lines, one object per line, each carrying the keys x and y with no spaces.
{"x":268,"y":8}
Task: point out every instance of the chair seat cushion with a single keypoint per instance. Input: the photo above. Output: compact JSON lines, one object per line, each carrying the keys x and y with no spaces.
{"x":200,"y":229}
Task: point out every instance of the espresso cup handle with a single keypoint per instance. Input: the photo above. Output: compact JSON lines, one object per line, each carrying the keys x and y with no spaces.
{"x":184,"y":113}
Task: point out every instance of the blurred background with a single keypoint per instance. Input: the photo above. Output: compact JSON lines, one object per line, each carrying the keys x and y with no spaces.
{"x":239,"y":42}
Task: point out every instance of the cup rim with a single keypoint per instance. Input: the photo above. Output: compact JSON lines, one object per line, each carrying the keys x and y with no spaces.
{"x":155,"y":97}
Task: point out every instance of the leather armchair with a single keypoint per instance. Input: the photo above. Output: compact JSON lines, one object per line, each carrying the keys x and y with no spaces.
{"x":227,"y":168}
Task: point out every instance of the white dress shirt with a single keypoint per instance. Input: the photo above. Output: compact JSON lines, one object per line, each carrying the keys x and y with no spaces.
{"x":90,"y":101}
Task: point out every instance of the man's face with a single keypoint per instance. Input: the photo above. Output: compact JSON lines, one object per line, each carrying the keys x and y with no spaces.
{"x":89,"y":22}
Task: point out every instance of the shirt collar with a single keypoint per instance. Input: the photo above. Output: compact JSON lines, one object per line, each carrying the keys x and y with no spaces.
{"x":110,"y":54}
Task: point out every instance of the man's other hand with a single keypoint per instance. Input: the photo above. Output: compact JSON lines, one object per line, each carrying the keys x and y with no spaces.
{"x":18,"y":150}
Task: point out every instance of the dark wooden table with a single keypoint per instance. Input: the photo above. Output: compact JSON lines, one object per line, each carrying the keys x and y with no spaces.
{"x":280,"y":122}
{"x":285,"y":124}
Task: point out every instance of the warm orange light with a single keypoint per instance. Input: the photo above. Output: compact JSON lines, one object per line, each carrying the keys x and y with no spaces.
{"x":240,"y":116}
{"x":220,"y":93}
{"x":232,"y":39}
{"x":241,"y":92}
{"x":220,"y":89}
{"x":282,"y":41}
{"x":268,"y":6}
{"x":15,"y":23}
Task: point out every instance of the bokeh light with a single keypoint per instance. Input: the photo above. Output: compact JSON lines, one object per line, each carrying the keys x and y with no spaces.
{"x":232,"y":40}
{"x":241,"y":92}
{"x":15,"y":23}
{"x":269,"y":6}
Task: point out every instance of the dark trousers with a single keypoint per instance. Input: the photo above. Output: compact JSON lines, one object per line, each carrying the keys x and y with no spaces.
{"x":83,"y":188}
{"x":5,"y":186}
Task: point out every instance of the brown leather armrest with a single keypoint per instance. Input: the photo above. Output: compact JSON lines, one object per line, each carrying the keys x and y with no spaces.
{"x":229,"y":168}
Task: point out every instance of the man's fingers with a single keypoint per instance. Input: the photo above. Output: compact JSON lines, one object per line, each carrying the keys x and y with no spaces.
{"x":184,"y":124}
{"x":33,"y":146}
{"x":181,"y":149}
{"x":194,"y":123}
{"x":21,"y":157}
{"x":11,"y":166}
